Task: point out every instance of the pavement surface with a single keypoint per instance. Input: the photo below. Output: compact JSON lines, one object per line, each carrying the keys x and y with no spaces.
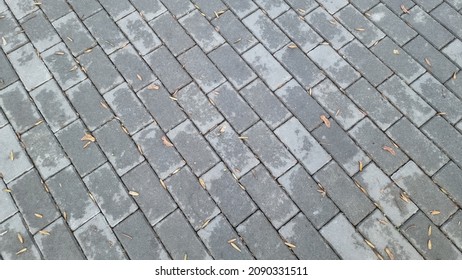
{"x":230,"y":129}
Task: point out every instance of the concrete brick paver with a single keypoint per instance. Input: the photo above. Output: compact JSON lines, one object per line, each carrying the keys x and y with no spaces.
{"x":162,"y":129}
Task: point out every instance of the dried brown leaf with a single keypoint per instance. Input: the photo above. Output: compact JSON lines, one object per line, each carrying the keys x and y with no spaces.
{"x":390,"y":254}
{"x":166,"y":142}
{"x":404,"y":197}
{"x":205,"y":223}
{"x":290,"y":245}
{"x":235,"y":246}
{"x":23,"y":250}
{"x":163,"y":184}
{"x":360,"y":166}
{"x":40,"y":216}
{"x":292,"y":46}
{"x":429,"y":244}
{"x":360,"y":29}
{"x":232,"y":240}
{"x":153,"y":87}
{"x":369,"y":243}
{"x":20,"y":238}
{"x":133,"y":193}
{"x":202,"y":182}
{"x":7,"y":190}
{"x":138,"y":76}
{"x":88,"y":137}
{"x":390,"y":150}
{"x":435,"y":212}
{"x":325,"y":120}
{"x":404,"y":9}
{"x":44,"y":232}
{"x":454,"y":76}
{"x":429,"y":232}
{"x":427,"y":61}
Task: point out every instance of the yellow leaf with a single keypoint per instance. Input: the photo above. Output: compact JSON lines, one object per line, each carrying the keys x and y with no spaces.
{"x":11,"y":156}
{"x":40,"y":216}
{"x":202,"y":182}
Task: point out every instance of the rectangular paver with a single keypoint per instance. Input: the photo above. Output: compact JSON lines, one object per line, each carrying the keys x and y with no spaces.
{"x":6,"y":203}
{"x":139,"y":33}
{"x":11,"y":169}
{"x":85,"y":8}
{"x":11,"y":32}
{"x":452,"y":229}
{"x":149,"y":8}
{"x":241,"y":8}
{"x":55,"y":9}
{"x":7,"y":73}
{"x":74,"y":34}
{"x":449,"y":178}
{"x":424,"y":193}
{"x":453,"y":51}
{"x":178,"y":7}
{"x":40,"y":31}
{"x":72,"y":198}
{"x":9,"y":244}
{"x":119,"y":10}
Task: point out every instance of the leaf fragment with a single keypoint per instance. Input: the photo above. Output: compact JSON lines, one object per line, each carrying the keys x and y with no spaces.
{"x":390,"y":254}
{"x":44,"y":232}
{"x":396,"y":52}
{"x":65,"y":215}
{"x":404,"y":197}
{"x":153,"y":87}
{"x":435,"y":212}
{"x":325,"y":120}
{"x":40,"y":216}
{"x":390,"y":150}
{"x":3,"y":41}
{"x":163,"y":184}
{"x":133,"y":193}
{"x":429,"y":231}
{"x":235,"y":246}
{"x":205,"y":223}
{"x":138,"y":76}
{"x":290,"y":245}
{"x":360,"y":29}
{"x":126,"y":235}
{"x":7,"y":190}
{"x":321,"y":190}
{"x":11,"y":155}
{"x":23,"y":250}
{"x":232,"y":240}
{"x":404,"y":9}
{"x":166,"y":142}
{"x":429,"y":244}
{"x":202,"y":183}
{"x":20,"y":238}
{"x":454,"y":76}
{"x":88,"y":137}
{"x":59,"y":53}
{"x":427,"y":61}
{"x":369,"y":243}
{"x":360,"y":166}
{"x":292,"y":46}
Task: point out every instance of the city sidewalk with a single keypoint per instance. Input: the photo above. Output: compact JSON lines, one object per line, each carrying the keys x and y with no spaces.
{"x":230,"y":129}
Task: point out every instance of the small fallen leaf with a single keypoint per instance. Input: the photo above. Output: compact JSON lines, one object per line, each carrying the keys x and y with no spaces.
{"x":301,"y":11}
{"x":44,"y":232}
{"x":133,"y":193}
{"x":23,"y":250}
{"x":360,"y":166}
{"x":40,"y":216}
{"x":88,"y":137}
{"x":292,"y":46}
{"x":321,"y":190}
{"x":153,"y":87}
{"x":429,"y":232}
{"x":404,"y":9}
{"x":232,"y":240}
{"x":11,"y":155}
{"x":20,"y":238}
{"x":435,"y":212}
{"x":4,"y":41}
{"x":404,"y":197}
{"x":222,"y":129}
{"x":235,"y":246}
{"x":126,"y":235}
{"x":205,"y":223}
{"x":138,"y":76}
{"x":103,"y":104}
{"x":166,"y":142}
{"x":396,"y":52}
{"x":325,"y":120}
{"x":59,"y":53}
{"x":390,"y":150}
{"x":369,"y":243}
{"x":176,"y":171}
{"x":202,"y":182}
{"x":427,"y":61}
{"x":185,"y":257}
{"x":360,"y":29}
{"x":65,"y":215}
{"x":454,"y":76}
{"x":7,"y":190}
{"x":163,"y":184}
{"x":290,"y":245}
{"x":390,"y":254}
{"x":429,"y":244}
{"x":363,"y":190}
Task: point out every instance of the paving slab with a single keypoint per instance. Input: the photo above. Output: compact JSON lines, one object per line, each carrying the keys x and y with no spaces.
{"x":9,"y":168}
{"x":9,"y":244}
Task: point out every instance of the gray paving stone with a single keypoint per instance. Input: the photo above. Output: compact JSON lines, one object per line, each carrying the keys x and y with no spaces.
{"x":168,"y":69}
{"x":193,"y":147}
{"x":406,"y":100}
{"x":455,"y":85}
{"x":264,"y":190}
{"x":72,"y":197}
{"x":373,"y":141}
{"x":201,"y":31}
{"x":334,"y":65}
{"x":149,"y":8}
{"x":302,"y":145}
{"x":359,"y":25}
{"x":153,"y":200}
{"x":269,"y":149}
{"x":266,"y":67}
{"x":233,"y":201}
{"x":349,"y":245}
{"x":452,"y":229}
{"x":329,"y":28}
{"x":428,"y":27}
{"x":236,"y":71}
{"x":44,"y":150}
{"x":128,"y":108}
{"x":272,"y":9}
{"x":59,"y":244}
{"x":448,"y":17}
{"x":18,"y":108}
{"x":265,"y":103}
{"x":31,"y":198}
{"x":395,"y":5}
{"x":55,"y":9}
{"x":110,"y":194}
{"x":29,"y":67}
{"x":180,"y":246}
{"x":386,"y":194}
{"x":341,"y":147}
{"x":164,"y":160}
{"x":441,"y":67}
{"x":117,"y":9}
{"x":449,"y":178}
{"x":446,"y":137}
{"x":301,"y":104}
{"x":437,"y":95}
{"x":364,"y":5}
{"x":391,"y":24}
{"x":198,"y":108}
{"x":74,"y":34}
{"x":398,"y":60}
{"x":55,"y":108}
{"x":337,"y":104}
{"x":7,"y":73}
{"x":118,"y":147}
{"x":201,"y":69}
{"x":164,"y":110}
{"x":139,"y":33}
{"x":298,"y":30}
{"x":385,"y":237}
{"x":178,"y":8}
{"x":300,"y":66}
{"x":83,"y":159}
{"x":241,"y":8}
{"x":3,"y":6}
{"x":9,"y":244}
{"x":346,"y":195}
{"x":6,"y":204}
{"x":20,"y":164}
{"x":139,"y":240}
{"x":133,"y":68}
{"x":231,"y":149}
{"x":376,"y":106}
{"x":106,"y":32}
{"x":309,"y":243}
{"x":40,"y":31}
{"x":455,"y":3}
{"x":453,"y":51}
{"x":97,"y":240}
{"x":266,"y":31}
{"x":22,"y":8}
{"x":100,"y":70}
{"x":3,"y":120}
{"x":216,"y":236}
{"x":210,"y":8}
{"x":11,"y":32}
{"x":85,"y":8}
{"x":414,"y":143}
{"x":332,"y":6}
{"x":235,"y":33}
{"x":233,"y":107}
{"x":171,"y":33}
{"x":365,"y":62}
{"x":424,"y":193}
{"x":87,"y":102}
{"x":63,"y":66}
{"x":416,"y":231}
{"x":263,"y":240}
{"x":302,"y":6}
{"x":304,"y":191}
